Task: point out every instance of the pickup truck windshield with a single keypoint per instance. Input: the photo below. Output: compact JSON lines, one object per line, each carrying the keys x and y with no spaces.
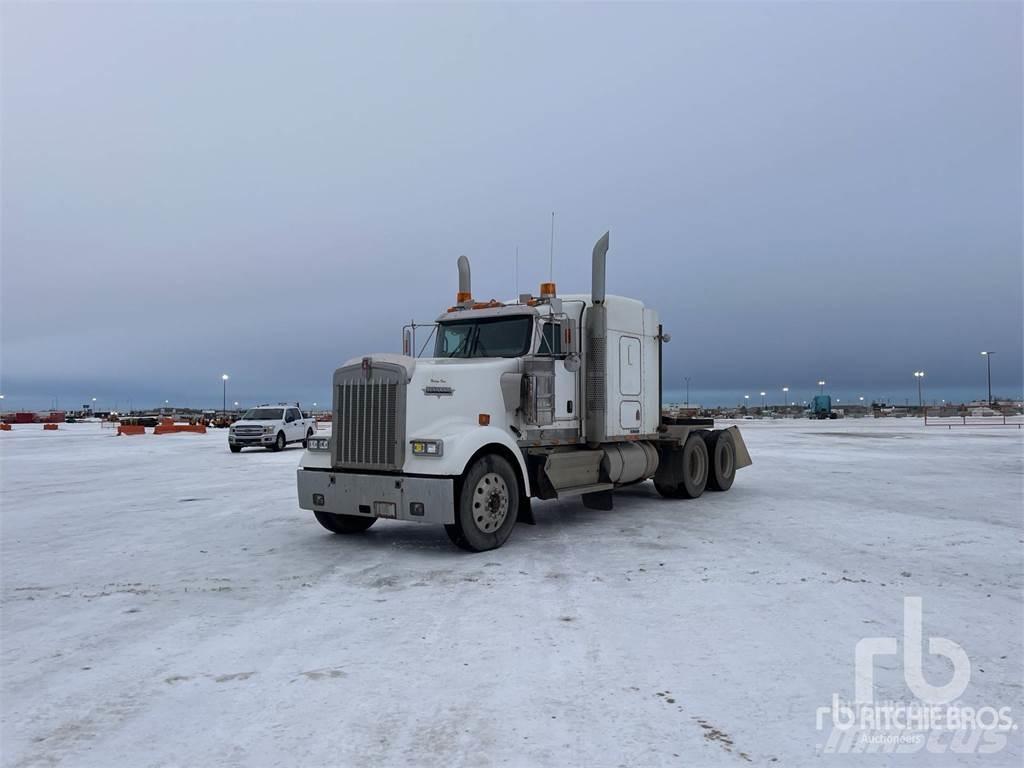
{"x":490,"y":337}
{"x":264,"y":414}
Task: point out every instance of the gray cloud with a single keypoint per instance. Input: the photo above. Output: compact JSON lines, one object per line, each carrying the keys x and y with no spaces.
{"x":270,"y":189}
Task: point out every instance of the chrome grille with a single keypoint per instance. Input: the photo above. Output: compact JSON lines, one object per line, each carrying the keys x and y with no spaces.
{"x":369,"y":418}
{"x":247,"y":431}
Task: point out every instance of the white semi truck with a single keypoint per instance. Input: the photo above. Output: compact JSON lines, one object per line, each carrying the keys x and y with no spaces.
{"x":546,"y":397}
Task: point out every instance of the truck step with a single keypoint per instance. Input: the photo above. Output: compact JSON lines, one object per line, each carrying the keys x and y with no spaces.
{"x":581,"y":489}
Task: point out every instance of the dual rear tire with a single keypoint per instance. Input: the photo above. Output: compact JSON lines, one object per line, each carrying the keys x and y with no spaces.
{"x":707,"y":460}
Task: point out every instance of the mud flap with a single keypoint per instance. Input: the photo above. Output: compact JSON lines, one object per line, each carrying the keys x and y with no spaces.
{"x":600,"y":500}
{"x":525,"y":512}
{"x":742,"y":454}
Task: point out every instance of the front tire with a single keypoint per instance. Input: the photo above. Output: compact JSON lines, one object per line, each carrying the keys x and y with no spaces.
{"x":344,"y":524}
{"x":235,"y":448}
{"x":279,"y":443}
{"x":487,"y":505}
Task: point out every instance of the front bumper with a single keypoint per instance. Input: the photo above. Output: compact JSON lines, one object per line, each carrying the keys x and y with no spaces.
{"x":390,"y":496}
{"x":252,"y":439}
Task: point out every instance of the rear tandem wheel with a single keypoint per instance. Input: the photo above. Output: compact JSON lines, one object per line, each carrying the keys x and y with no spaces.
{"x":683,"y":473}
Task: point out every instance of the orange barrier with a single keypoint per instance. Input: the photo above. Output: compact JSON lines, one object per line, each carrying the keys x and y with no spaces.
{"x":49,"y":426}
{"x":5,"y":427}
{"x":131,"y":429}
{"x":169,"y":429}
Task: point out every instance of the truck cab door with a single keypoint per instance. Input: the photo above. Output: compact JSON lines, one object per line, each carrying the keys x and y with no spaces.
{"x":556,"y":342}
{"x":293,"y":425}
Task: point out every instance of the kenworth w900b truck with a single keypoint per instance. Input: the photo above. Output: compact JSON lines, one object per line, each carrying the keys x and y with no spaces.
{"x":547,"y":397}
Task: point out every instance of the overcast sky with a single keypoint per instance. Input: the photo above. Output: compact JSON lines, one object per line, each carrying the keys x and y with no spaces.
{"x":801,"y":189}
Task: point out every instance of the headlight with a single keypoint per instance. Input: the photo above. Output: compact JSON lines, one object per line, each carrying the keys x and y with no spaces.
{"x":319,"y":444}
{"x":268,"y":430}
{"x":427,"y":447}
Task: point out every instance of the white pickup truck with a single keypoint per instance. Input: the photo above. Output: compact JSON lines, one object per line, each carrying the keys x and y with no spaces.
{"x":271,"y":426}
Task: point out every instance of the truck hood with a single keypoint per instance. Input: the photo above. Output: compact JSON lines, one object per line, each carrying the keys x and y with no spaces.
{"x":445,"y":393}
{"x":250,"y":423}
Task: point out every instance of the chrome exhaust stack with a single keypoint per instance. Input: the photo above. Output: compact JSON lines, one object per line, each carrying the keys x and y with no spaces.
{"x":465,"y":295}
{"x":597,"y":349}
{"x":597,"y":269}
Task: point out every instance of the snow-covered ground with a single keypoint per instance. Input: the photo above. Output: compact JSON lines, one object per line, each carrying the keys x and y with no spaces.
{"x":165,"y":602}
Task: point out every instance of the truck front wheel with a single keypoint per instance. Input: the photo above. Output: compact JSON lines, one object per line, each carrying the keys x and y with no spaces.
{"x":344,"y":523}
{"x":487,"y":505}
{"x":279,"y":442}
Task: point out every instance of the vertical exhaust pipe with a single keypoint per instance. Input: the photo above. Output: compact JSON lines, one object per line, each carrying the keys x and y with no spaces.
{"x":597,"y":269}
{"x":465,"y":293}
{"x":597,"y":350}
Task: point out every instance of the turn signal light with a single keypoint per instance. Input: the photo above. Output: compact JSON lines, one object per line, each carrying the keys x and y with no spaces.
{"x":484,"y":419}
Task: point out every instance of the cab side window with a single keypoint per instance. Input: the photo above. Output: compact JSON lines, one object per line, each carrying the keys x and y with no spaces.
{"x":550,"y":339}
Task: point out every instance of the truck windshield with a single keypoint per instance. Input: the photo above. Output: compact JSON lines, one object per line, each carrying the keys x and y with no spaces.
{"x":490,"y":337}
{"x":264,"y":414}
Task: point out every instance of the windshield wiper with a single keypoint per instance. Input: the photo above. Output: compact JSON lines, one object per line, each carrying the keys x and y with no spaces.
{"x":463,"y":343}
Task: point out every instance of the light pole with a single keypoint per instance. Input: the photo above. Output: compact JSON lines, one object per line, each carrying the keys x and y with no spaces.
{"x":919,"y":375}
{"x":687,"y":380}
{"x":785,"y":396}
{"x":747,"y":398}
{"x":224,"y":407}
{"x":763,"y":401}
{"x":821,"y":387}
{"x":988,"y":362}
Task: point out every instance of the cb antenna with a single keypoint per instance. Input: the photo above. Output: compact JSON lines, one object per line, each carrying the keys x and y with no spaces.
{"x":551,"y":256}
{"x":517,"y":272}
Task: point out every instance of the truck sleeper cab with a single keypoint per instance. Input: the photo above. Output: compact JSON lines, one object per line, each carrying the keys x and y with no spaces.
{"x":549,"y":397}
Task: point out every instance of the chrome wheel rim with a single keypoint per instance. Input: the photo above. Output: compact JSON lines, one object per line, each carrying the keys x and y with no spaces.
{"x":490,"y":503}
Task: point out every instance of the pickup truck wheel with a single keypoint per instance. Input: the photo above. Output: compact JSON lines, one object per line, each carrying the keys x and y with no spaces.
{"x":721,"y":459}
{"x":344,"y":523}
{"x":279,"y":443}
{"x":235,"y":448}
{"x":309,"y":434}
{"x":487,"y":505}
